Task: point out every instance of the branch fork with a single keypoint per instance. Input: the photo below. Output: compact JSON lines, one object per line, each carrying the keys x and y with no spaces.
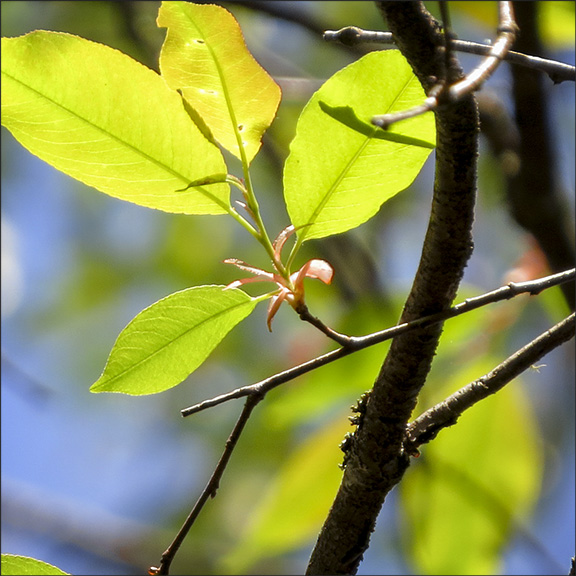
{"x":443,"y":93}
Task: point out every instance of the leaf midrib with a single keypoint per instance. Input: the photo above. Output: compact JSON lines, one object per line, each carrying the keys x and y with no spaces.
{"x":116,"y":138}
{"x":346,"y":169}
{"x":171,"y":342}
{"x":225,"y":90}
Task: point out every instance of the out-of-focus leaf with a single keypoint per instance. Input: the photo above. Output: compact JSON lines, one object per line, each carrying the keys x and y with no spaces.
{"x":13,"y":565}
{"x":168,"y":340}
{"x":205,"y":57}
{"x":555,"y":20}
{"x":557,"y":24}
{"x":296,"y":505}
{"x":341,"y":168}
{"x":106,"y":120}
{"x":473,"y":484}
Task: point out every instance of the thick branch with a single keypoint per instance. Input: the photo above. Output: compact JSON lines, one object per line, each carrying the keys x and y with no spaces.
{"x":376,"y":460}
{"x":257,"y":392}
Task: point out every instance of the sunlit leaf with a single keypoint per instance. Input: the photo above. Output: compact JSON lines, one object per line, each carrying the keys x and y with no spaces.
{"x":297,"y":502}
{"x":168,"y":340}
{"x":13,"y":565}
{"x":341,"y":168}
{"x":205,"y":57}
{"x":474,"y":485}
{"x":106,"y":120}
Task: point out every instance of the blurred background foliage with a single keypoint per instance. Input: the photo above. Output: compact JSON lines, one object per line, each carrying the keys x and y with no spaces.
{"x":100,"y":483}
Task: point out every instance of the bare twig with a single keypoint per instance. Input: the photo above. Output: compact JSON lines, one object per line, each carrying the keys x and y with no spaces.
{"x":211,"y":487}
{"x":446,"y":93}
{"x":384,"y":121}
{"x":307,"y":316}
{"x":557,"y":71}
{"x":446,"y":413}
{"x":355,"y":343}
{"x":507,"y":30}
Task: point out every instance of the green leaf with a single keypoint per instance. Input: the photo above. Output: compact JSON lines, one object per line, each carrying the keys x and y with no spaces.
{"x":106,"y":120}
{"x":473,"y":485}
{"x":168,"y":340}
{"x":341,"y":168}
{"x":205,"y":57}
{"x":13,"y":565}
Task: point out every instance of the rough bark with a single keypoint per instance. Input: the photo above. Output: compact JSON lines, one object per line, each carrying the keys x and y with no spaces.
{"x":374,"y":459}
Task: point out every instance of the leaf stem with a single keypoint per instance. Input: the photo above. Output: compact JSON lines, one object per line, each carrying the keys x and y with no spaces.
{"x":254,"y":208}
{"x":294,"y":251}
{"x":259,"y":230}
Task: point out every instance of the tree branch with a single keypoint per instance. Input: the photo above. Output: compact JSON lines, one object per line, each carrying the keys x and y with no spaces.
{"x":444,"y":92}
{"x":211,"y":487}
{"x":376,"y":460}
{"x":557,"y":71}
{"x":356,"y":343}
{"x":507,"y":30}
{"x":256,"y":393}
{"x":446,"y":413}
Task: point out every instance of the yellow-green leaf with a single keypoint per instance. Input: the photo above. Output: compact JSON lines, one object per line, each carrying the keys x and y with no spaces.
{"x":168,"y":340}
{"x":101,"y":117}
{"x":205,"y":57}
{"x":13,"y":565}
{"x":341,"y":168}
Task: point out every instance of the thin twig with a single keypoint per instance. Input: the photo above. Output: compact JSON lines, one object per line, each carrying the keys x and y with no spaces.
{"x":446,"y":94}
{"x":307,"y":316}
{"x":447,"y":412}
{"x":507,"y":30}
{"x":355,"y":343}
{"x":270,"y":383}
{"x":211,"y":487}
{"x":557,"y":71}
